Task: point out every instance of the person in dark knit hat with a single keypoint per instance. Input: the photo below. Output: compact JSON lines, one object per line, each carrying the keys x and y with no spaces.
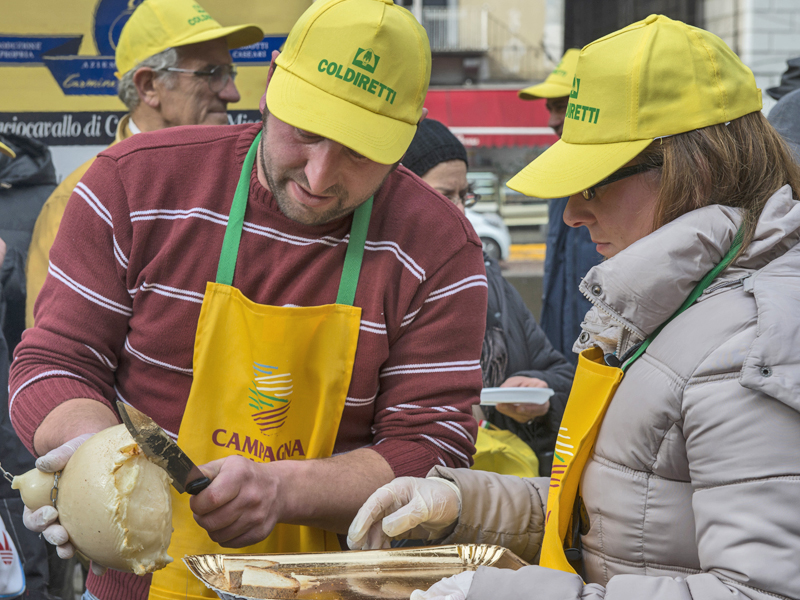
{"x":433,"y":144}
{"x":516,"y":352}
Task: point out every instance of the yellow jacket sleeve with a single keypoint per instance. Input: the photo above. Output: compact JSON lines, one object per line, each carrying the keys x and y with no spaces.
{"x":46,"y":228}
{"x":44,"y":233}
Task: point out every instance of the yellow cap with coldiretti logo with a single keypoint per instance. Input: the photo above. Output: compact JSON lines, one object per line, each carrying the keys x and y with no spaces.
{"x":558,"y":83}
{"x":6,"y":150}
{"x":156,"y":25}
{"x":655,"y":78}
{"x":355,"y":72}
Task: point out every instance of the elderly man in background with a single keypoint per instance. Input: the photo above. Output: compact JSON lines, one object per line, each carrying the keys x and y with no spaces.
{"x":570,"y":252}
{"x":174,"y":69}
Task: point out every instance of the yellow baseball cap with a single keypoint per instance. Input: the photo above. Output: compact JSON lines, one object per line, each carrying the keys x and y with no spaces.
{"x":6,"y":150}
{"x":355,"y":72}
{"x":559,"y":83}
{"x":654,"y":78}
{"x":156,"y":25}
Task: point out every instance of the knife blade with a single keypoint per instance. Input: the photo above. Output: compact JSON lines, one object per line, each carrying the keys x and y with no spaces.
{"x":159,"y":447}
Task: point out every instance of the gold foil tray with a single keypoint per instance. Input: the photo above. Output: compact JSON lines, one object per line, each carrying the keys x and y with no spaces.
{"x":359,"y":574}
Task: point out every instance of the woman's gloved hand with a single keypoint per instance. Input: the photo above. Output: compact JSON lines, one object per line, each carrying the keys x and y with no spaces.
{"x":408,"y":507}
{"x":449,"y":588}
{"x":45,"y":519}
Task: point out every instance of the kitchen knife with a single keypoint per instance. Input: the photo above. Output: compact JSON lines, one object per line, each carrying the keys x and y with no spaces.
{"x":159,"y":447}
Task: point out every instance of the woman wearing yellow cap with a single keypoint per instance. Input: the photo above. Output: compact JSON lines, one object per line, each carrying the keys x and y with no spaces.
{"x":677,"y":470}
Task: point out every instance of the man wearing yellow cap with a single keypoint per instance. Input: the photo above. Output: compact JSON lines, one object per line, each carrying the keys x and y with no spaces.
{"x":302,"y":314}
{"x":570,"y":251}
{"x":174,"y":68}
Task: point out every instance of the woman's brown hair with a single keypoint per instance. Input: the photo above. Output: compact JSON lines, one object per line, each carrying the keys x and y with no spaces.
{"x":740,"y":164}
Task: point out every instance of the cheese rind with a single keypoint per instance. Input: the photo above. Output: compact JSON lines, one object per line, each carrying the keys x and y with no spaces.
{"x":114,"y":503}
{"x":233,"y":568}
{"x":260,"y":582}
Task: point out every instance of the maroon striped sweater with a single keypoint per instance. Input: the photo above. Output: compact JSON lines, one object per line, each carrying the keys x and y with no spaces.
{"x":140,"y":238}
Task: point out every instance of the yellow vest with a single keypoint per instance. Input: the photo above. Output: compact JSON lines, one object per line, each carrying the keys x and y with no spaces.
{"x":48,"y":222}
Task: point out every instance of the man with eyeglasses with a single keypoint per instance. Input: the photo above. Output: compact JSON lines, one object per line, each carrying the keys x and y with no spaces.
{"x":174,"y":68}
{"x":570,"y":251}
{"x":516,"y":352}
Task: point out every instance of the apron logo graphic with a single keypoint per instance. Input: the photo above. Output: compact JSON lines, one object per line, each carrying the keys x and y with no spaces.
{"x":6,"y":555}
{"x":269,"y":396}
{"x":366,"y":59}
{"x":560,"y":460}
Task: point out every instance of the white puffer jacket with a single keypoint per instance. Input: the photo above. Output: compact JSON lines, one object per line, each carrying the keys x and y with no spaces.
{"x":693,"y":490}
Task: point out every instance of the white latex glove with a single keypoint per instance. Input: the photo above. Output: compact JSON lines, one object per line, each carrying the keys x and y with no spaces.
{"x":408,"y":507}
{"x":449,"y":588}
{"x":45,"y":519}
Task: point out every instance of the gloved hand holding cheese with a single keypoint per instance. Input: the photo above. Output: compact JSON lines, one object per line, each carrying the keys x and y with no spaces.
{"x":113,"y":505}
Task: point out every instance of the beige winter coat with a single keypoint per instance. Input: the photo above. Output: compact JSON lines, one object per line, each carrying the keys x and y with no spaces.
{"x":693,"y":490}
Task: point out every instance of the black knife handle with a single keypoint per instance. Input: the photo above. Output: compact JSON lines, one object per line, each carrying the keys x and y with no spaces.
{"x":198,"y":485}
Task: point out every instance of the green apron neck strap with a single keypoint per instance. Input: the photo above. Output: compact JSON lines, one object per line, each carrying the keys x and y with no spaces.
{"x":355,"y":254}
{"x":233,"y":235}
{"x":696,"y":292}
{"x":233,"y":231}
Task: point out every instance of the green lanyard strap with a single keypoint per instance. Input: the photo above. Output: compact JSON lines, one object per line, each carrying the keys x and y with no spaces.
{"x":696,"y":292}
{"x":233,"y":235}
{"x":233,"y":231}
{"x":355,"y":254}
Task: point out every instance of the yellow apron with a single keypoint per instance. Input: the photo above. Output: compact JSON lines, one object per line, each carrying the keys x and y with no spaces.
{"x":592,"y":391}
{"x":269,"y":384}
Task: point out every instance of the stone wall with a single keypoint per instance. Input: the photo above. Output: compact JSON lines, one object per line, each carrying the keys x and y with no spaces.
{"x":764,"y":33}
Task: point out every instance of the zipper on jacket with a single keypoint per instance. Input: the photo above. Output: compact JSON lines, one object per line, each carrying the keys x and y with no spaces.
{"x":725,"y":284}
{"x":627,"y":332}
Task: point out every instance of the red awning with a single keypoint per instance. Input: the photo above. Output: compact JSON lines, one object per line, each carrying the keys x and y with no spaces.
{"x":491,"y":118}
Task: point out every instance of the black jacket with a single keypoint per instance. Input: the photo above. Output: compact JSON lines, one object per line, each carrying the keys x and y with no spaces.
{"x":25,"y":184}
{"x":530,"y":354}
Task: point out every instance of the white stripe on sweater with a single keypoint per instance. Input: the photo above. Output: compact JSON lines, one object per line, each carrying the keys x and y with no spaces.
{"x":360,"y":401}
{"x":448,"y":448}
{"x":175,"y":214}
{"x":90,"y":295}
{"x":417,"y":407}
{"x":445,"y":367}
{"x":409,"y":318}
{"x":459,"y":286}
{"x":107,"y":362}
{"x":152,"y":361}
{"x":202,"y":213}
{"x":93,"y":202}
{"x":404,"y":258}
{"x":456,"y":428}
{"x":373,"y":327}
{"x":171,"y":292}
{"x":398,"y":407}
{"x":451,"y":425}
{"x":120,"y":256}
{"x":295,"y":240}
{"x":37,"y":378}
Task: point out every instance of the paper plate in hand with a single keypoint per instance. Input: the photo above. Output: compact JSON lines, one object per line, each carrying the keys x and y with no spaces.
{"x":515,"y":395}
